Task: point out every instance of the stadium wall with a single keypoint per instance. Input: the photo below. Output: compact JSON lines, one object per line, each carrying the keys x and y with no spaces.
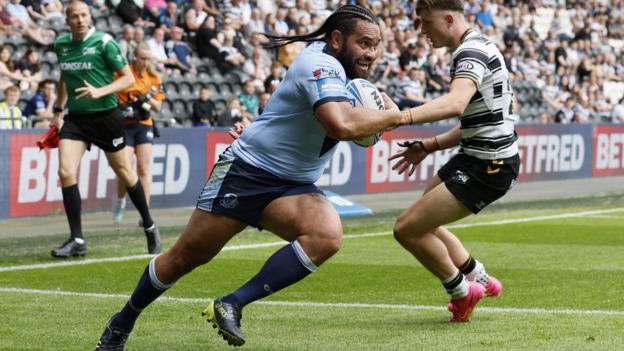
{"x":183,"y":159}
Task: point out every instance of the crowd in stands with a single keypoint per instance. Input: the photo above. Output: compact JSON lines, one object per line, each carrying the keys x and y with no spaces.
{"x":565,"y":57}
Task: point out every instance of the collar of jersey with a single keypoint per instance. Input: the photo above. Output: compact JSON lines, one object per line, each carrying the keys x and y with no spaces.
{"x":467,"y":34}
{"x":90,"y":33}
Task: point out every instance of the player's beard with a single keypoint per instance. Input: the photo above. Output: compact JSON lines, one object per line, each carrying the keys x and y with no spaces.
{"x":348,"y":62}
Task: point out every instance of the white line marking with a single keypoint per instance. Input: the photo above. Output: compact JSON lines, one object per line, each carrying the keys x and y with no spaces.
{"x":279,"y":243}
{"x":539,"y":311}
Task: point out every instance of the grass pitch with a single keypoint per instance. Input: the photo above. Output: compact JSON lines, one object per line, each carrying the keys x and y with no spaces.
{"x":560,"y":261}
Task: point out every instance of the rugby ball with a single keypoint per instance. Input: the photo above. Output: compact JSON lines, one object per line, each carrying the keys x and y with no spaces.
{"x":365,"y":94}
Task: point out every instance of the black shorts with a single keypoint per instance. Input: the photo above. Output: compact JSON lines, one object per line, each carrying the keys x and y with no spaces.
{"x":137,"y":134}
{"x":476,"y":182}
{"x":241,"y":191}
{"x":105,"y":129}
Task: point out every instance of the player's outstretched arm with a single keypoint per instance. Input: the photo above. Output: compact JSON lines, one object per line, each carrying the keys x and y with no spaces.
{"x":415,"y":151}
{"x":342,"y":121}
{"x":446,"y":106}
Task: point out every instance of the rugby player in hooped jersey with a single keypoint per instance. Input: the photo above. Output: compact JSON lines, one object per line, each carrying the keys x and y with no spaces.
{"x":266,"y":178}
{"x":485,"y":168}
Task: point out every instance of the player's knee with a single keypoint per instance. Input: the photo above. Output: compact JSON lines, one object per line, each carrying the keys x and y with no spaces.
{"x":401,"y":229}
{"x":143,"y":172}
{"x":332,"y":244}
{"x":66,"y":175}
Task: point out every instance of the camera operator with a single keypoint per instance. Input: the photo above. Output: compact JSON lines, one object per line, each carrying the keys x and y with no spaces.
{"x":136,"y":104}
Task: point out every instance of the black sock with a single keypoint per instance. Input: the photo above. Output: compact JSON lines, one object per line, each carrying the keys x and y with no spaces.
{"x":454,"y":282}
{"x":147,"y":290}
{"x":137,"y":196}
{"x":468,"y":266}
{"x":284,"y":268}
{"x":72,"y":203}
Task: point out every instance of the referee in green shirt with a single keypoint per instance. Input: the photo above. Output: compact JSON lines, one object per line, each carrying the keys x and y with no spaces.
{"x":88,"y":61}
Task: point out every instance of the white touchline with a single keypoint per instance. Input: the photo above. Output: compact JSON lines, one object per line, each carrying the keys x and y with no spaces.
{"x":279,"y":243}
{"x":541,"y":311}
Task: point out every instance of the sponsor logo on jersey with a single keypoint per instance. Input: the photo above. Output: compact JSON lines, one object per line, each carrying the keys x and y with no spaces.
{"x":464,"y":66}
{"x":75,"y":66}
{"x":88,"y":51}
{"x":323,"y":72}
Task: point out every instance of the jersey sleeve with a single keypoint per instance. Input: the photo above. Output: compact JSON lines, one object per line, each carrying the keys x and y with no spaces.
{"x":322,"y":80}
{"x":112,"y":53}
{"x":470,"y":62}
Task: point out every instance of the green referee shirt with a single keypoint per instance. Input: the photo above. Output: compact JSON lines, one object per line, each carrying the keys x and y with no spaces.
{"x":94,"y":59}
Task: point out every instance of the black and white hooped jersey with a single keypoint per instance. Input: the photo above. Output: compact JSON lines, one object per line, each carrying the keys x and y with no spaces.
{"x":487,"y":124}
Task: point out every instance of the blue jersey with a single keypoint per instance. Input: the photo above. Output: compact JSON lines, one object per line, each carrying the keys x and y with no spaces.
{"x":287,"y":140}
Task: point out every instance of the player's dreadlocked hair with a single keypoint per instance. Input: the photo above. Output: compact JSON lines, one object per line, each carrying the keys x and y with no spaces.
{"x":344,"y":19}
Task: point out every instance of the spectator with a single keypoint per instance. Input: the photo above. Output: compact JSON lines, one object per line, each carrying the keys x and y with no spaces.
{"x":10,"y":114}
{"x":617,"y":114}
{"x":152,"y":9}
{"x":194,"y":16}
{"x":231,"y":58}
{"x":409,"y":57}
{"x":249,"y":98}
{"x":257,"y":67}
{"x":435,"y":81}
{"x":9,"y":73}
{"x":20,"y":19}
{"x":484,"y":16}
{"x":390,"y":61}
{"x":264,"y":101}
{"x":157,"y":47}
{"x":546,"y":118}
{"x":286,"y":54}
{"x":40,"y":108}
{"x":551,"y":93}
{"x":52,"y":10}
{"x":565,"y":115}
{"x":169,"y":18}
{"x":206,"y":40}
{"x":274,"y":78}
{"x":179,"y":52}
{"x":30,"y":67}
{"x":255,"y":24}
{"x":204,"y":110}
{"x":412,"y":89}
{"x":127,"y":43}
{"x":232,"y":113}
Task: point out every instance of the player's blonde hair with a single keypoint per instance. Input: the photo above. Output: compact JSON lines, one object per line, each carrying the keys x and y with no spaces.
{"x":449,"y":5}
{"x":142,"y":46}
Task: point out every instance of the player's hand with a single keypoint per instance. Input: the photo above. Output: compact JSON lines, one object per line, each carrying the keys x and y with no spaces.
{"x":57,"y":120}
{"x":88,"y":91}
{"x":410,"y":157}
{"x":388,"y":103}
{"x":236,"y":130}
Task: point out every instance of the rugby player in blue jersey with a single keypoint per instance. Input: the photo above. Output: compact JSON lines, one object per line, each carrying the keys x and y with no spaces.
{"x":266,"y":178}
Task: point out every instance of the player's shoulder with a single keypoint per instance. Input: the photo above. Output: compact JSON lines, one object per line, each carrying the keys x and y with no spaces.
{"x":63,"y":39}
{"x":316,"y":63}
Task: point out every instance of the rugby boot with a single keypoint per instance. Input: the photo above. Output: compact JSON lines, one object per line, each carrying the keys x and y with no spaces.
{"x":118,"y":213}
{"x":154,"y":245}
{"x":226,"y":318}
{"x":462,"y":308}
{"x":69,"y":248}
{"x":493,"y":288}
{"x":113,"y":339}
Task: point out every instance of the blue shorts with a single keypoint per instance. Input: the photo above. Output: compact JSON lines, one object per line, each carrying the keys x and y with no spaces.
{"x":241,"y":191}
{"x":137,"y":134}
